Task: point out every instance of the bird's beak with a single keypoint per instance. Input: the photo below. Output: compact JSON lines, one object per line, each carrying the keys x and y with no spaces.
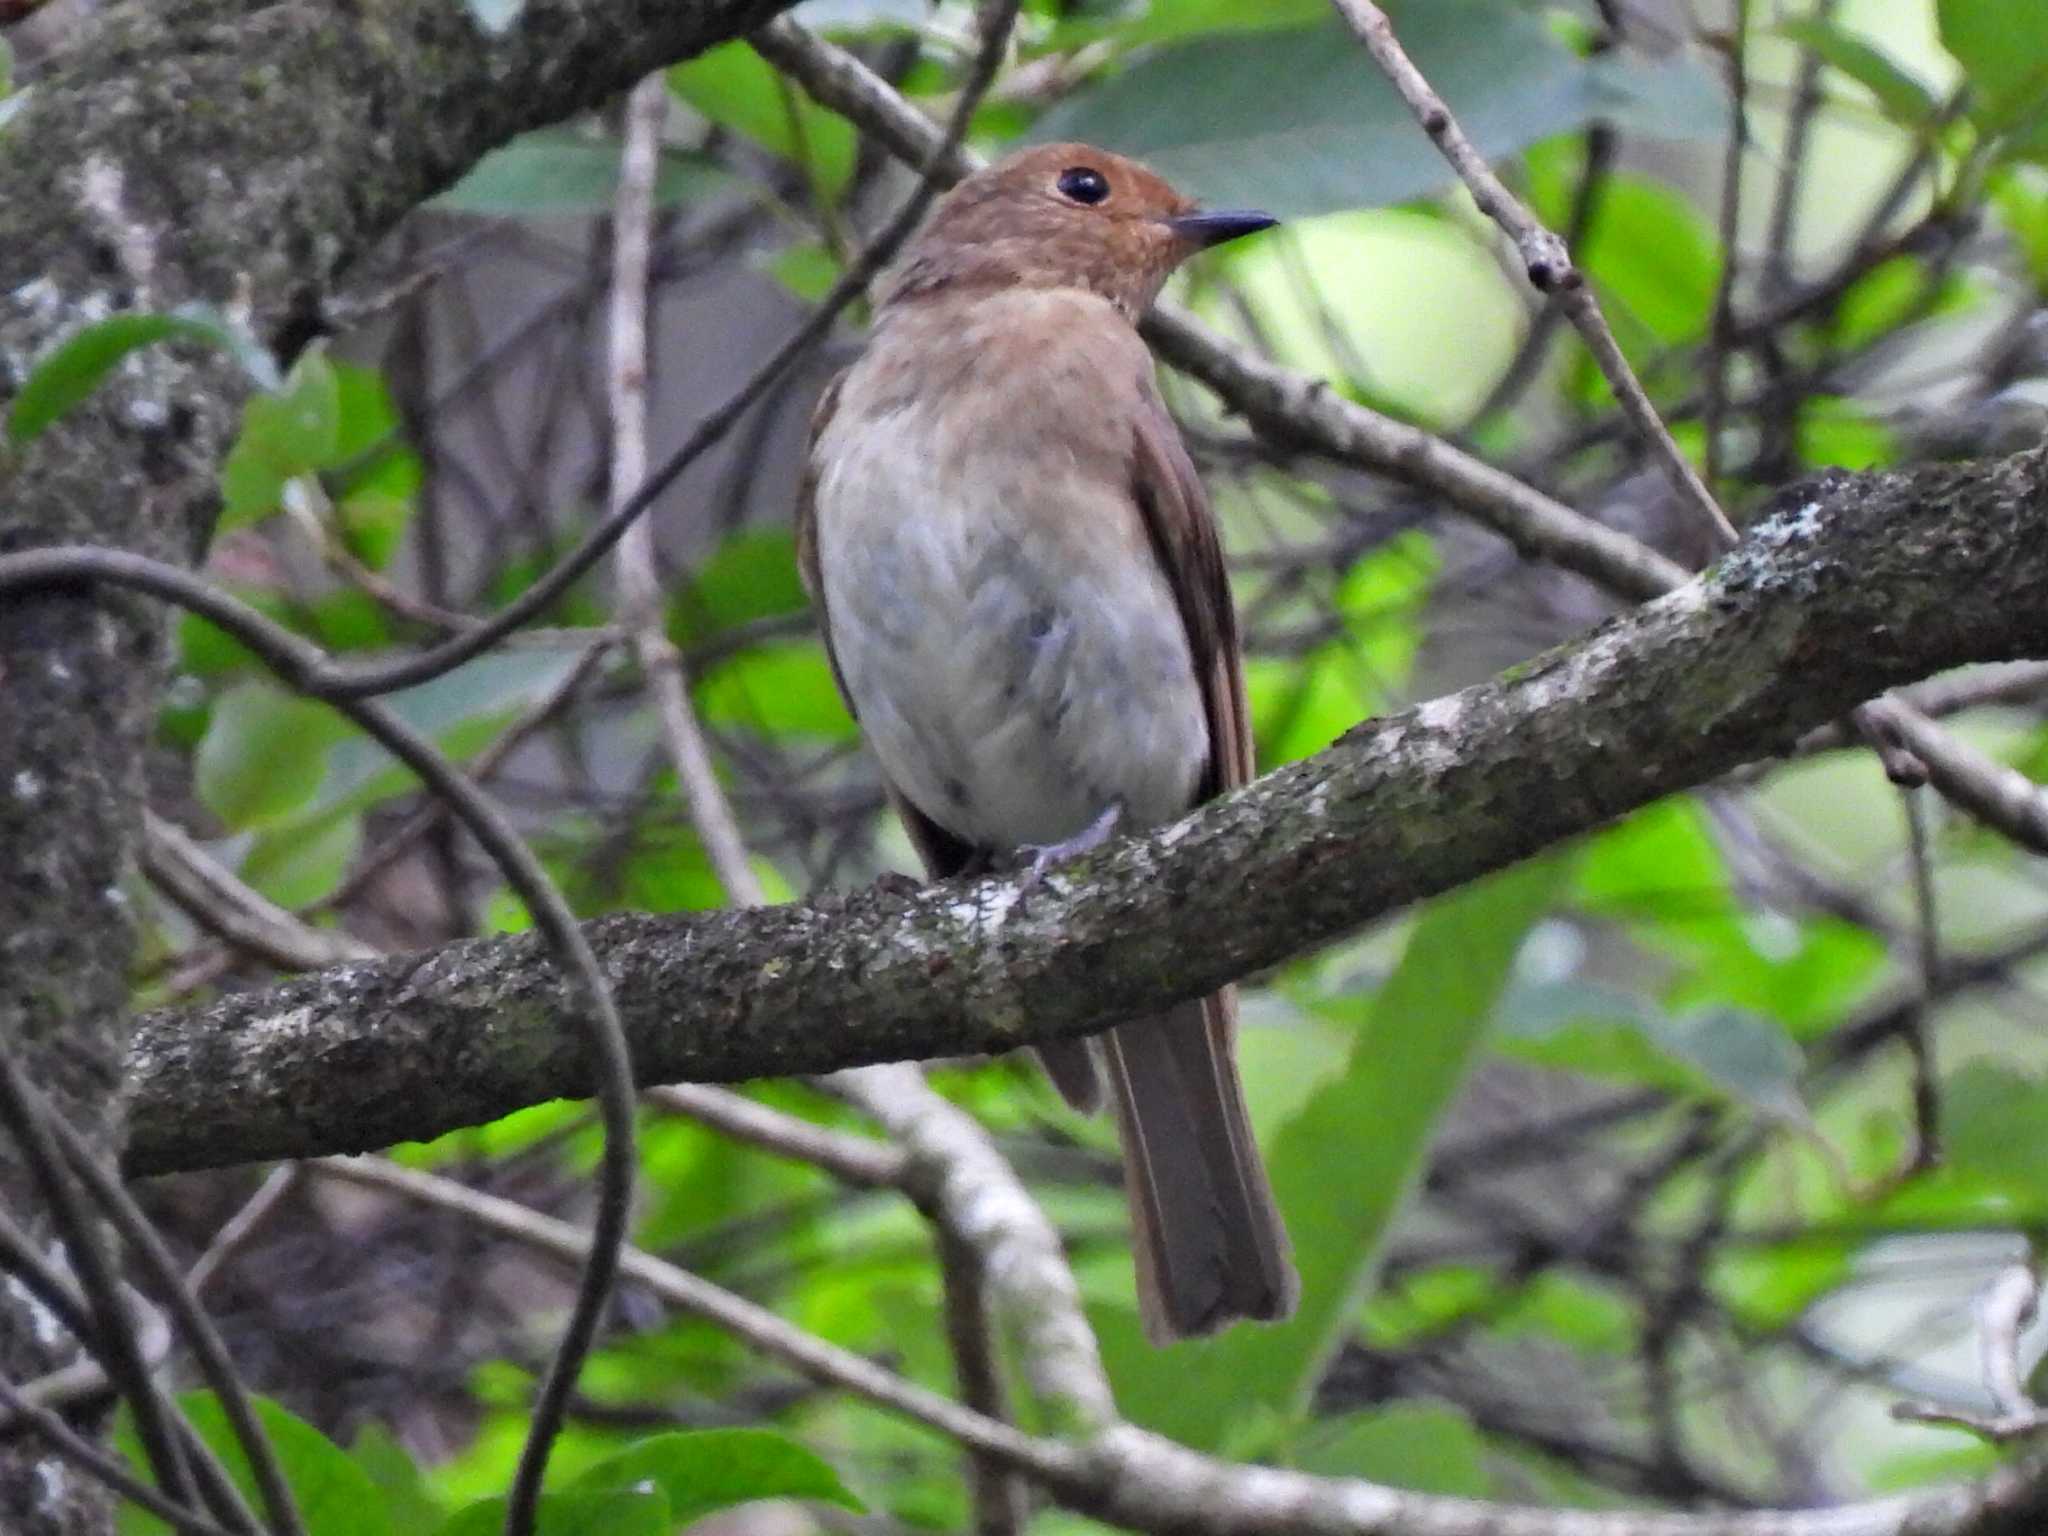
{"x":1207,"y":227}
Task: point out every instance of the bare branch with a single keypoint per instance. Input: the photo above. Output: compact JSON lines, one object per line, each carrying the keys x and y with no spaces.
{"x":1857,"y":584}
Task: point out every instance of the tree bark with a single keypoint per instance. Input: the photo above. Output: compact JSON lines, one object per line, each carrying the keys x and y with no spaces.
{"x":237,"y":154}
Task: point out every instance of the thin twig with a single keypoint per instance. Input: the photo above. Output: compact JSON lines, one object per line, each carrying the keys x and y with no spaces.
{"x":146,"y":1246}
{"x":641,"y":610}
{"x":66,"y":1442}
{"x":1926,"y":1083}
{"x":1545,"y":258}
{"x":229,"y":909}
{"x":1722,"y":323}
{"x":155,"y":1418}
{"x":297,"y":662}
{"x":759,"y":1328}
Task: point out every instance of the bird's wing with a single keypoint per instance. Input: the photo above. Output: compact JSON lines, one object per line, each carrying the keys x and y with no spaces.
{"x":1182,"y":529}
{"x":1210,"y":1243}
{"x":943,"y":854}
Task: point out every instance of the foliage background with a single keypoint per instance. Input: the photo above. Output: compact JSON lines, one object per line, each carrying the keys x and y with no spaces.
{"x":1607,"y":1175}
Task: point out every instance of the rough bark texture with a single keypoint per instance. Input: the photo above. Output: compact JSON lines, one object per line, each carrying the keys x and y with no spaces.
{"x":1853,"y":584}
{"x":239,"y":154}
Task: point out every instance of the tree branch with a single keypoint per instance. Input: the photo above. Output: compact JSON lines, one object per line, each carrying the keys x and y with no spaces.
{"x":1854,"y":584}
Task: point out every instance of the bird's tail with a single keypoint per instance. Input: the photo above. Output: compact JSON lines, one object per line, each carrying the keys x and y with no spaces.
{"x":1209,"y":1241}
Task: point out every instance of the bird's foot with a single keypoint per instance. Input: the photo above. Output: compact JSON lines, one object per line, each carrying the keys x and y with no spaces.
{"x":1044,"y":856}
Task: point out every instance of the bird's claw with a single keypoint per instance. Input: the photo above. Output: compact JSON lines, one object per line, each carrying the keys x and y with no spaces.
{"x":1044,"y":856}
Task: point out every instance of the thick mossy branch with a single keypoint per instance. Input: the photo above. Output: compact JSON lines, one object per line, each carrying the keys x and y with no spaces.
{"x":1851,"y":585}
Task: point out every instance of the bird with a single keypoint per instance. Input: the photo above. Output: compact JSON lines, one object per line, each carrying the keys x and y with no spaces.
{"x":1023,"y":599}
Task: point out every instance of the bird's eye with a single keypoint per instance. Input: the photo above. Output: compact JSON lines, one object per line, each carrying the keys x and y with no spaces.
{"x":1083,"y":184}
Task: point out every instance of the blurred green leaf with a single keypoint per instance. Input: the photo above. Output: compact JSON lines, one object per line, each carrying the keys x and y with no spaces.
{"x":1707,"y":1051}
{"x":1769,"y":1288}
{"x":807,"y":269}
{"x":1655,"y":260}
{"x":1301,"y":704}
{"x":2020,"y":194}
{"x":1905,"y":98}
{"x":1206,"y":113}
{"x":713,"y":1469}
{"x":1660,"y":872}
{"x":1429,"y":1447}
{"x":335,"y":1496}
{"x":1374,"y":1122}
{"x":1166,"y":21}
{"x":374,"y":500}
{"x":566,"y":173}
{"x":302,"y":861}
{"x":751,"y":575}
{"x":411,"y":1509}
{"x":1994,"y":1124}
{"x":286,"y":434}
{"x":784,"y":689}
{"x":265,"y":754}
{"x":736,"y":88}
{"x":2003,"y":48}
{"x":1577,"y":1312}
{"x":1841,"y":433}
{"x":575,"y":1512}
{"x":68,"y":374}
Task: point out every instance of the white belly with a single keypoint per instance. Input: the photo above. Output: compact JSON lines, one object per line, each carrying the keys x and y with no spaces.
{"x":1016,"y":672}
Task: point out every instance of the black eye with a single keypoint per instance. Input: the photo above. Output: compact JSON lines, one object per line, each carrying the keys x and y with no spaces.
{"x":1083,"y":184}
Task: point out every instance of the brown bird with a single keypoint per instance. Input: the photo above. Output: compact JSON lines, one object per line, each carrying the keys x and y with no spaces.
{"x":1025,"y":605}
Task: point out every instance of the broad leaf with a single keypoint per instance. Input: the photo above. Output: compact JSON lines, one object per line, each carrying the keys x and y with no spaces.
{"x":713,"y":1469}
{"x":1297,"y":120}
{"x":72,"y":370}
{"x":561,"y":173}
{"x":335,"y":1496}
{"x":1342,"y":1167}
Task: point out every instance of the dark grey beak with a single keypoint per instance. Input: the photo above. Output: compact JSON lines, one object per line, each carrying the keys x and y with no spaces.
{"x":1206,"y":228}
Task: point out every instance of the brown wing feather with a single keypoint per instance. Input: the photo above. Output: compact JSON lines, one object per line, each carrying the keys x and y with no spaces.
{"x":1210,"y":1243}
{"x":1183,"y":532}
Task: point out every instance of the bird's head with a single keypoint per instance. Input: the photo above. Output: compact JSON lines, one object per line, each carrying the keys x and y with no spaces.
{"x":1062,"y":216}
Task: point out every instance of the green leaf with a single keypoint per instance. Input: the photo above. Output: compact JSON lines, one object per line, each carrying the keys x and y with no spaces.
{"x":1428,"y":1447}
{"x":564,"y":173}
{"x":736,"y":88}
{"x":1206,"y":113}
{"x":75,"y":367}
{"x":412,"y":1509}
{"x":1656,"y":262}
{"x":708,"y":1470}
{"x":1843,"y":434}
{"x":2020,"y":194}
{"x":302,"y":861}
{"x":2003,"y":48}
{"x":265,"y":754}
{"x":1768,"y":1288}
{"x":751,"y":575}
{"x":336,"y":1496}
{"x":1709,"y":1051}
{"x":1302,"y":704}
{"x":1995,"y":1124}
{"x":1905,"y":98}
{"x":779,"y":690}
{"x":575,"y":1512}
{"x":1374,"y":1121}
{"x":286,"y":434}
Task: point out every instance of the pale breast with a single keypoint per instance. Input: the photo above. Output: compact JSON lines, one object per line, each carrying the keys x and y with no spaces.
{"x":1013,"y":651}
